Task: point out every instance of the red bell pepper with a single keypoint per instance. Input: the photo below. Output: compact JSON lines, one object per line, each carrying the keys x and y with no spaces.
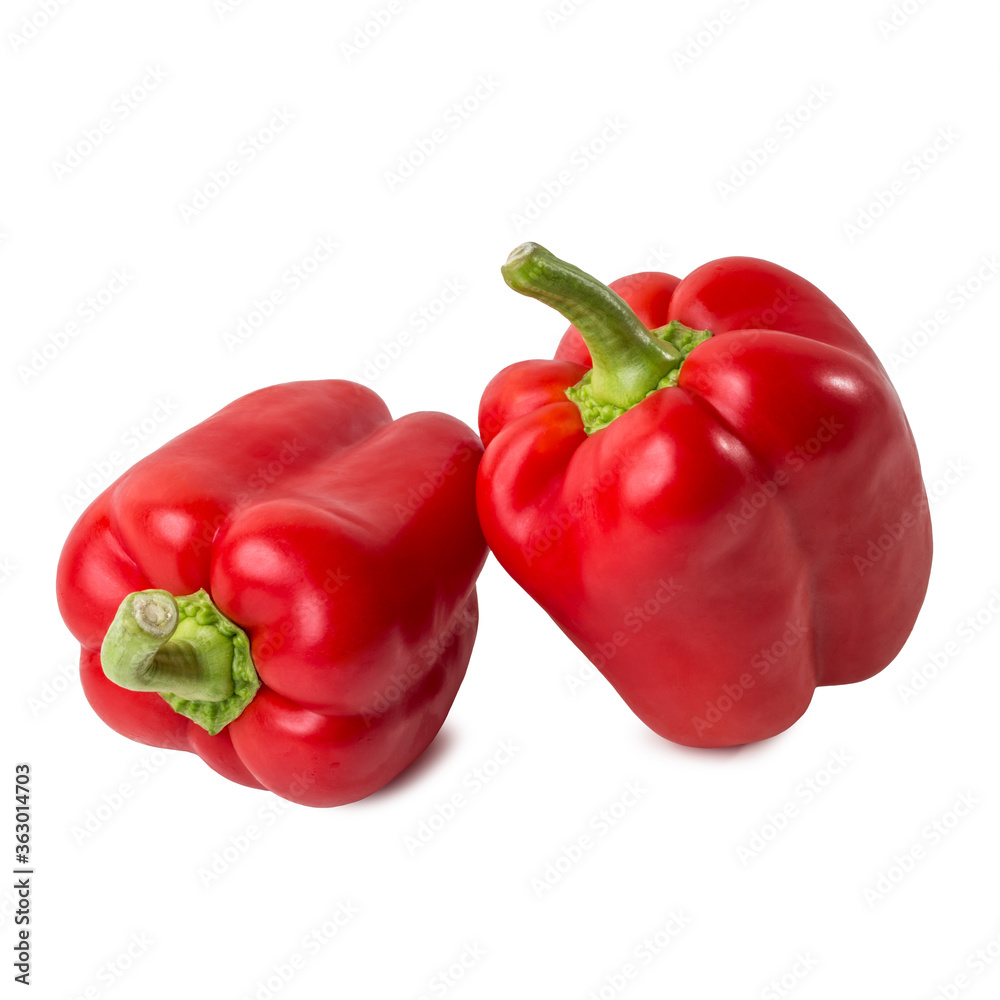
{"x":713,"y":491}
{"x":287,"y":589}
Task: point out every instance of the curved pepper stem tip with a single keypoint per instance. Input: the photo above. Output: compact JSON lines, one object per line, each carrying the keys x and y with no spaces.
{"x":629,"y":361}
{"x":518,"y":254}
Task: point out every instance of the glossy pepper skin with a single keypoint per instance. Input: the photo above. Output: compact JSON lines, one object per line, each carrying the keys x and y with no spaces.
{"x":725,"y":544}
{"x":343,"y":544}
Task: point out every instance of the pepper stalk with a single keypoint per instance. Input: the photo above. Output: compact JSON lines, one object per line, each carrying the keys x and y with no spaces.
{"x":185,"y":650}
{"x":629,"y":360}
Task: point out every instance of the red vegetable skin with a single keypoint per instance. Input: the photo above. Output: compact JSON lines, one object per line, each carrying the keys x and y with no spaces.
{"x":343,"y":543}
{"x":726,"y":544}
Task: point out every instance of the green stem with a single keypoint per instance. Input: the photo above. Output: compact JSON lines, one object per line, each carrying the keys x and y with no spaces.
{"x":629,"y":361}
{"x":185,"y":650}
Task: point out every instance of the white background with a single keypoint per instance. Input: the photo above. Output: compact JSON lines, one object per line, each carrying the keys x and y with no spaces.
{"x":123,"y":835}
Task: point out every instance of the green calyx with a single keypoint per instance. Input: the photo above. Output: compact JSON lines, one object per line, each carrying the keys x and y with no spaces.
{"x":187,"y":651}
{"x":629,"y":360}
{"x":596,"y":414}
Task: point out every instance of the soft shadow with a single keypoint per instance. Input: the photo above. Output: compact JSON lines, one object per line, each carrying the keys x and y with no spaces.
{"x":440,"y":746}
{"x":709,"y":754}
